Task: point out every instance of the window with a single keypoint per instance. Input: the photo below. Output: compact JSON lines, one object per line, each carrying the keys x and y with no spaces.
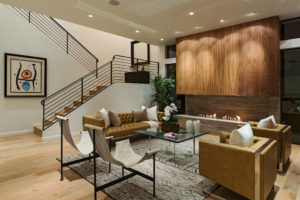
{"x":290,"y":29}
{"x":171,"y":51}
{"x":290,"y":105}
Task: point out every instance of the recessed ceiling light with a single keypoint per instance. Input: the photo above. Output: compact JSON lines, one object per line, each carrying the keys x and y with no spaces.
{"x":191,"y":13}
{"x":251,"y":14}
{"x":90,"y":16}
{"x":222,"y":20}
{"x":137,"y":31}
{"x":114,"y":2}
{"x":177,"y":32}
{"x":197,"y":27}
{"x":162,"y":39}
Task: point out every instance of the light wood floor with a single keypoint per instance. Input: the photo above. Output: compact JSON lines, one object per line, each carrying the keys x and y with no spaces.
{"x":29,"y":171}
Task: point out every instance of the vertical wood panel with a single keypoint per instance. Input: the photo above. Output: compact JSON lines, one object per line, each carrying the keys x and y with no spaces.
{"x":240,"y":60}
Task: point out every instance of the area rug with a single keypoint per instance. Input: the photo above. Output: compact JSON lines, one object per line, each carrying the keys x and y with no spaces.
{"x":171,"y":183}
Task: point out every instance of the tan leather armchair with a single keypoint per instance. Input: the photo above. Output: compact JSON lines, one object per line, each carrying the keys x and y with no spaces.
{"x":282,"y":134}
{"x":248,"y":171}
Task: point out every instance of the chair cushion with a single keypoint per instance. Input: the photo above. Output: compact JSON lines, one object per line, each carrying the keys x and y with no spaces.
{"x":242,"y":136}
{"x":268,"y":122}
{"x":102,"y":113}
{"x":125,"y":129}
{"x":114,"y":118}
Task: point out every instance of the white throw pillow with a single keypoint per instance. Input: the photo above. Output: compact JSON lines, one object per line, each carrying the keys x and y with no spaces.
{"x":102,"y":113}
{"x":268,"y":122}
{"x":242,"y":136}
{"x":151,"y":113}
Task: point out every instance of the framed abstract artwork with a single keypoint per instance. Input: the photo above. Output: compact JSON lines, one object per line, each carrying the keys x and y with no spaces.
{"x":25,"y":76}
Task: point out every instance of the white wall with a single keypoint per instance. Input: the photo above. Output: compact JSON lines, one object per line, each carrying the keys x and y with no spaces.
{"x":17,"y":115}
{"x":119,"y":97}
{"x":106,"y":45}
{"x":19,"y":37}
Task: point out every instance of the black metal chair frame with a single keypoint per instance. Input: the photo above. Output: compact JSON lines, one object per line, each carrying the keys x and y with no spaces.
{"x":94,"y":156}
{"x":123,"y":178}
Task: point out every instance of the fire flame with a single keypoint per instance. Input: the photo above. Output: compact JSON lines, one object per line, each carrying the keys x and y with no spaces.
{"x":214,"y":116}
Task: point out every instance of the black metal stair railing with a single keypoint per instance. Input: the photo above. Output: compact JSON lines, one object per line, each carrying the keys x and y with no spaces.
{"x":61,"y":37}
{"x":80,"y":91}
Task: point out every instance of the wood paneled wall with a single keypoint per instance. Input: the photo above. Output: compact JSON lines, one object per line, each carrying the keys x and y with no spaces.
{"x":240,"y":60}
{"x":248,"y":108}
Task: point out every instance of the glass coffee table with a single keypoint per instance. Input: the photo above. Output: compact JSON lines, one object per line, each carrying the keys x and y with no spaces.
{"x":159,"y":134}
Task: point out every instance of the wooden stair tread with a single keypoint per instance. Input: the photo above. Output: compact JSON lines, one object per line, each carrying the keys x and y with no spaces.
{"x":38,"y":130}
{"x":76,"y":104}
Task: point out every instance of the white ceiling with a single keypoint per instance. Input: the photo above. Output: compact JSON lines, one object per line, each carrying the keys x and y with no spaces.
{"x":157,"y":19}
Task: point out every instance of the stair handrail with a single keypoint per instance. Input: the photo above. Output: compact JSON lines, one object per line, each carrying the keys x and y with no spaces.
{"x":60,"y":36}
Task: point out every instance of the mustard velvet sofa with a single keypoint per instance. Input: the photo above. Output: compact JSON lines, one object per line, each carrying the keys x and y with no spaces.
{"x":282,"y":134}
{"x":248,"y":171}
{"x":127,"y":127}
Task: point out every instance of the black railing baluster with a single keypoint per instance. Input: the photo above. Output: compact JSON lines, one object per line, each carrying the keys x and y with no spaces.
{"x":67,"y":43}
{"x":111,"y":72}
{"x":97,"y":68}
{"x":29,"y":16}
{"x":82,"y":90}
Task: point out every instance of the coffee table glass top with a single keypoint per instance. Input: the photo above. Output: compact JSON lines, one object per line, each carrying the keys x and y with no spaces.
{"x":158,"y":133}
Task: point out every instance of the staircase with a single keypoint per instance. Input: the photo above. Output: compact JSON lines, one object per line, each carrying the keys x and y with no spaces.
{"x":60,"y":36}
{"x":82,"y":90}
{"x":72,"y":96}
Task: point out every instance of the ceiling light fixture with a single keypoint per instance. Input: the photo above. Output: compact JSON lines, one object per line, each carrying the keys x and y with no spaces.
{"x":191,"y":13}
{"x":197,"y":27}
{"x":162,"y":39}
{"x":90,"y":16}
{"x":222,"y":20}
{"x":114,"y":2}
{"x":177,"y":32}
{"x":137,"y":31}
{"x":251,"y":14}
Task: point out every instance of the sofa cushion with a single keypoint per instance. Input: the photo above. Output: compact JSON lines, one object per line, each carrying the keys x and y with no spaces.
{"x":140,"y":115}
{"x":151,"y":113}
{"x":242,"y":136}
{"x":125,"y":129}
{"x":102,"y":113}
{"x":114,"y":118}
{"x":268,"y":122}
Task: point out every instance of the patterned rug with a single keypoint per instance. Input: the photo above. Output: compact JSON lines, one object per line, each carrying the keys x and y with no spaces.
{"x":178,"y":180}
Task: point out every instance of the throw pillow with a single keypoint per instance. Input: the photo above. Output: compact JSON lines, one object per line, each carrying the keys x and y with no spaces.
{"x":102,"y":113}
{"x":151,"y":113}
{"x":268,"y":122}
{"x":140,"y":115}
{"x":242,"y":136}
{"x":114,"y":118}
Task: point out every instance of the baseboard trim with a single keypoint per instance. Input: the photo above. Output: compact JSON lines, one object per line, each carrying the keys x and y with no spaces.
{"x":53,"y":137}
{"x":6,"y":134}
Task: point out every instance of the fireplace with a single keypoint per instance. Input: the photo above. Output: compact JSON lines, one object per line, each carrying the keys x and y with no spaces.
{"x":240,"y":108}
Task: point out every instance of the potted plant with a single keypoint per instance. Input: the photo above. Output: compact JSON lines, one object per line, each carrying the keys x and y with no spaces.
{"x":170,"y":120}
{"x":164,"y":91}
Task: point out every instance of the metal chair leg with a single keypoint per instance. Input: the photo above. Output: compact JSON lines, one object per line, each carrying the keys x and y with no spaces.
{"x":61,"y":153}
{"x":154,"y":175}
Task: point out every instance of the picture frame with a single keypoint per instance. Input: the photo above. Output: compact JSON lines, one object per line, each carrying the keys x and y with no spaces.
{"x":25,"y":76}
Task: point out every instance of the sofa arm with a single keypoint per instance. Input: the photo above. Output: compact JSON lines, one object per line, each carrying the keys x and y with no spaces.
{"x":159,"y":116}
{"x":93,"y":120}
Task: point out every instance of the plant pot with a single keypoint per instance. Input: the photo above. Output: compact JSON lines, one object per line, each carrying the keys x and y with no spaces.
{"x":170,"y":127}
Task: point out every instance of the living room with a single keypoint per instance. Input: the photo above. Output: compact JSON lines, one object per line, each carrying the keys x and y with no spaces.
{"x":150,"y":99}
